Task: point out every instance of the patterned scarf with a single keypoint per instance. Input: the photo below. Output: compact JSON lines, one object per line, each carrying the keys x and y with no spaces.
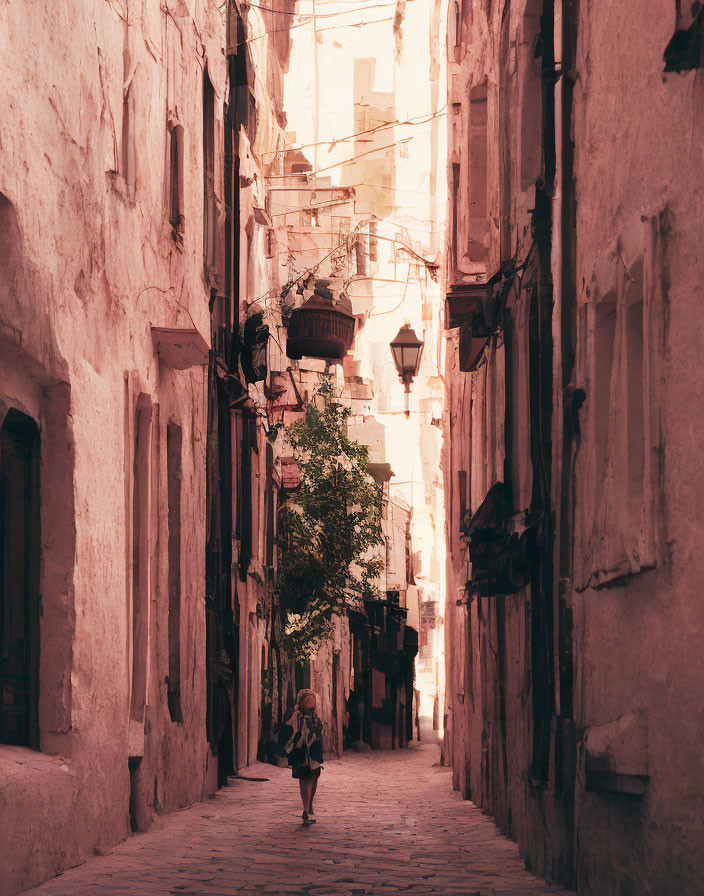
{"x":308,"y":729}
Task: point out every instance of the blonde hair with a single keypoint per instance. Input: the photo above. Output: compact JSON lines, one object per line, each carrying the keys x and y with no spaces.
{"x":303,"y":694}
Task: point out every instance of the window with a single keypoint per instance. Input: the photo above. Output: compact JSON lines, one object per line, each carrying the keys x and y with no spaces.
{"x":270,"y":498}
{"x":462,"y":492}
{"x":458,"y":24}
{"x":604,"y":336}
{"x":209,"y":206}
{"x":619,"y":329}
{"x":531,"y":95}
{"x":173,"y":475}
{"x":270,"y":242}
{"x":634,"y":350}
{"x":127,"y":154}
{"x":140,"y":556}
{"x":684,"y":51}
{"x":176,"y":181}
{"x":373,"y":241}
{"x":127,"y":159}
{"x":361,"y":251}
{"x":454,"y":200}
{"x":19,"y":580}
{"x":478,"y":184}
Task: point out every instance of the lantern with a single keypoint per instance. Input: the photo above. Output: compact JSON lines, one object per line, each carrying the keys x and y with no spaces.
{"x":406,"y":350}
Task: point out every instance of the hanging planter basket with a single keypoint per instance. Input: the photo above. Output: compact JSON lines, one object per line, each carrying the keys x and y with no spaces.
{"x":321,"y":328}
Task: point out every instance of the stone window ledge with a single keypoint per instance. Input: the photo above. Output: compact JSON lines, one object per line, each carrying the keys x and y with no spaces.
{"x":17,"y":763}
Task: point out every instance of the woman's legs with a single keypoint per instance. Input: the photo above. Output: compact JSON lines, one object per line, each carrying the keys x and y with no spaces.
{"x":313,"y":788}
{"x":307,"y":789}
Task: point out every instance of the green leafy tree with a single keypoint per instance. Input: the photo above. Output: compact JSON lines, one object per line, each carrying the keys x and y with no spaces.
{"x":329,"y":533}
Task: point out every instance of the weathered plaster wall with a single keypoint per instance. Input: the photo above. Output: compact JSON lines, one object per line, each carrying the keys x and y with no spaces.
{"x":639,"y":644}
{"x":262,"y":58}
{"x":633,"y":502}
{"x":92,"y":267}
{"x":474,"y":413}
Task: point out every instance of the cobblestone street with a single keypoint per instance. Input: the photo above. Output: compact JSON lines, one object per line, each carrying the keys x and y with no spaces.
{"x":387,"y":823}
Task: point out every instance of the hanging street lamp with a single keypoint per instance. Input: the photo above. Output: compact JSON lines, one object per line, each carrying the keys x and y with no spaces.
{"x":406,"y":350}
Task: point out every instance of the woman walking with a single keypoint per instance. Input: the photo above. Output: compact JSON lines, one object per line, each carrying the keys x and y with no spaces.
{"x":305,"y":750}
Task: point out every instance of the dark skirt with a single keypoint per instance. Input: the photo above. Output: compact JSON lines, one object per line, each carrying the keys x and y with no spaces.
{"x":304,"y":772}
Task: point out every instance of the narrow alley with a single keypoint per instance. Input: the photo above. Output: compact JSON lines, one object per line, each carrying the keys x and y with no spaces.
{"x":350,"y":358}
{"x":389,"y":822}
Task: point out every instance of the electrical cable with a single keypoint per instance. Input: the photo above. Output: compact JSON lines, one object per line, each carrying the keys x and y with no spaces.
{"x":291,"y":209}
{"x":249,"y":40}
{"x":294,"y":209}
{"x":319,"y":15}
{"x":378,"y":236}
{"x":348,"y":161}
{"x":390,"y":187}
{"x":305,"y":272}
{"x":424,"y":119}
{"x":396,"y":307}
{"x":330,"y":203}
{"x":343,"y":3}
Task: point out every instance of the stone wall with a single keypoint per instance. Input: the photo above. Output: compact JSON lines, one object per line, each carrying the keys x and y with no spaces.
{"x":91,"y":263}
{"x":571,"y":712}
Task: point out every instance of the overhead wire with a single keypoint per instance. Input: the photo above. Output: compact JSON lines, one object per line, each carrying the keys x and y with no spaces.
{"x":356,"y":3}
{"x":409,"y":249}
{"x":413,"y":120}
{"x":427,"y":117}
{"x":319,"y":15}
{"x":293,"y":209}
{"x":391,"y":187}
{"x":349,"y":161}
{"x":249,"y":40}
{"x":306,"y":271}
{"x":385,"y":125}
{"x":403,"y":299}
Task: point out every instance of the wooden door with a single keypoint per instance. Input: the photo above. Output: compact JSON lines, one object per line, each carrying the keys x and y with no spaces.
{"x":19,"y":579}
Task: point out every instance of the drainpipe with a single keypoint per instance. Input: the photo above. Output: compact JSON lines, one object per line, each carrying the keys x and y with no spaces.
{"x":567,"y":408}
{"x":541,"y":373}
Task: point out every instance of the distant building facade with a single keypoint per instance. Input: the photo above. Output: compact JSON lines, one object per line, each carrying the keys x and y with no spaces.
{"x":369,"y":159}
{"x":571,"y":452}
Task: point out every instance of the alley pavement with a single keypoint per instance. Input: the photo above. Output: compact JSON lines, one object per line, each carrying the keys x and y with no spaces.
{"x":388,"y":823}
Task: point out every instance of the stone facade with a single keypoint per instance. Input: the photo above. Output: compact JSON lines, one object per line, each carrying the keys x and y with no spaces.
{"x":104,"y":326}
{"x":289,"y":220}
{"x":143,"y":382}
{"x":573,"y":655}
{"x":249,"y":678}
